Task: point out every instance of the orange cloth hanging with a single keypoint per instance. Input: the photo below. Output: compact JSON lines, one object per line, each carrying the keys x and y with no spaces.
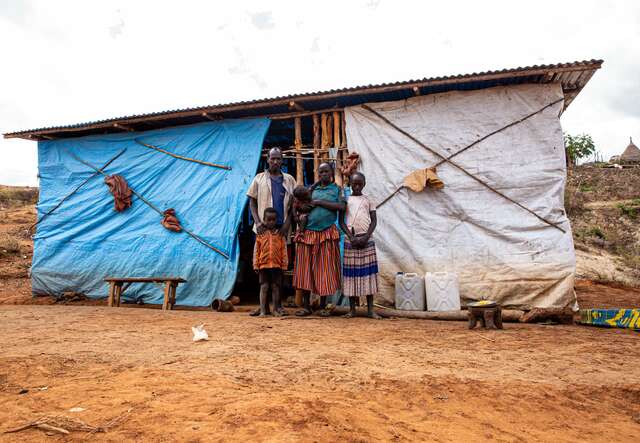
{"x":170,"y":221}
{"x":121,"y":193}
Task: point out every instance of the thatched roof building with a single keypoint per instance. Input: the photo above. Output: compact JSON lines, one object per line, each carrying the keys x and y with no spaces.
{"x":631,"y":154}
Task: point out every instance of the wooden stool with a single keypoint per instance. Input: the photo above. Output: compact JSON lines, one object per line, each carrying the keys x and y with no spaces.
{"x":487,"y":312}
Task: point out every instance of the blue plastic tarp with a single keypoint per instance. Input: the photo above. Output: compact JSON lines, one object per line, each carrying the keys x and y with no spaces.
{"x":86,"y":240}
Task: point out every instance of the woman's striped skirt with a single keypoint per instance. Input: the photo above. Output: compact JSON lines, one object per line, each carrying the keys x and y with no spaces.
{"x":317,"y":265}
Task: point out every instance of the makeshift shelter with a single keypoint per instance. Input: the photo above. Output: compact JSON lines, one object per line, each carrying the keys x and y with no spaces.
{"x":495,"y":137}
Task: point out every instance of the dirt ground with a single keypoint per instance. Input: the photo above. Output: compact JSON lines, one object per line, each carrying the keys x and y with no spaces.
{"x":312,"y":379}
{"x":137,"y":374}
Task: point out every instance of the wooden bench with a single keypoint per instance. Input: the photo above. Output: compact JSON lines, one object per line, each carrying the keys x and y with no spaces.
{"x":117,"y":286}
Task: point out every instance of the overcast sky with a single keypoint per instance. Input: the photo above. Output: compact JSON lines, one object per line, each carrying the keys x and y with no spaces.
{"x":67,"y":62}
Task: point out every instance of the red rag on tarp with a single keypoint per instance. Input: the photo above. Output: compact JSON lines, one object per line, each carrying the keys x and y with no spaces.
{"x":121,"y":193}
{"x":170,"y":221}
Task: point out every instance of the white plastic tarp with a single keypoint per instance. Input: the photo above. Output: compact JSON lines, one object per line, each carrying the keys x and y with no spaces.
{"x":499,"y":251}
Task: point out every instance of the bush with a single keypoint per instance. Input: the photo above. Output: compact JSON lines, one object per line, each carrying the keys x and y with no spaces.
{"x":596,"y":232}
{"x":9,"y":245}
{"x":630,"y":210}
{"x":10,"y":194}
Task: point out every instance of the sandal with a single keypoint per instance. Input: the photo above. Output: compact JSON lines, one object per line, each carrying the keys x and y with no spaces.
{"x":280,"y":312}
{"x":303,"y":313}
{"x":324,"y":313}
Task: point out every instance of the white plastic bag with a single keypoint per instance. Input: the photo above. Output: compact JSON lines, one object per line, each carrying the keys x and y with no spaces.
{"x":199,"y":333}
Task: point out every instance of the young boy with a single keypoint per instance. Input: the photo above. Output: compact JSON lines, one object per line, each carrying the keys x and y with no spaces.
{"x":269,"y":261}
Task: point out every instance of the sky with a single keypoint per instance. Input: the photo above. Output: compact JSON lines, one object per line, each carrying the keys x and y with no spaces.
{"x":67,"y":62}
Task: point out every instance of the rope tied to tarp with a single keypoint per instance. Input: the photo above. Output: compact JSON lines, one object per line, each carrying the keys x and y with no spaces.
{"x":463,"y":170}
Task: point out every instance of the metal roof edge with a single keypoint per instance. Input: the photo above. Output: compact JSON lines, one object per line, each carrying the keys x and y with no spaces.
{"x":585,"y":65}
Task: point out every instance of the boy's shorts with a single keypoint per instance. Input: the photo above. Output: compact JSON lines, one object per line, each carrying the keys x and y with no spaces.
{"x":271,"y":276}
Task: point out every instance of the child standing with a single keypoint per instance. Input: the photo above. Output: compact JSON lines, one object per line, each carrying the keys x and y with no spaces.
{"x":360,"y":265}
{"x":269,"y":261}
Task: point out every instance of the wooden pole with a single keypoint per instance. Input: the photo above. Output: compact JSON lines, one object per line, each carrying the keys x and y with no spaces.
{"x":324,"y":144}
{"x":336,"y":144}
{"x":329,"y":136}
{"x":298,"y":144}
{"x":299,"y":177}
{"x":317,"y":136}
{"x":341,"y":153}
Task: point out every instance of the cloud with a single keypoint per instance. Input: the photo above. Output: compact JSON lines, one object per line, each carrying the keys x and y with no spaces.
{"x":262,"y":20}
{"x":314,"y":45}
{"x":16,"y":11}
{"x":116,"y":29}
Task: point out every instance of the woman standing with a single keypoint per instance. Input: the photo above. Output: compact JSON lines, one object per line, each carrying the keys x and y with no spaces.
{"x":317,"y":265}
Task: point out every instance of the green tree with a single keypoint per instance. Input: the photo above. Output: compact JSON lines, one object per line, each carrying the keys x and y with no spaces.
{"x":579,"y":146}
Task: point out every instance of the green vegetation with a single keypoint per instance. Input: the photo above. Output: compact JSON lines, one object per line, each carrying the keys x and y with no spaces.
{"x":631,"y":209}
{"x":579,"y":146}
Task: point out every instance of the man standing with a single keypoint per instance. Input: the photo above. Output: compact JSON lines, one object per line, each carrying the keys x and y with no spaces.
{"x":272,"y":189}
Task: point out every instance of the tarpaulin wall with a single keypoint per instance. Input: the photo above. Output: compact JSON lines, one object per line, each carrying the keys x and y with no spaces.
{"x":85,"y":240}
{"x":498,"y":250}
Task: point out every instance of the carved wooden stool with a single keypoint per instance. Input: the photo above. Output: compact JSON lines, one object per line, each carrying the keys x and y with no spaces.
{"x":487,"y":312}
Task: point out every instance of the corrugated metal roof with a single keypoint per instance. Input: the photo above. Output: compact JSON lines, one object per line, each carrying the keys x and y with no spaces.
{"x":573,"y":77}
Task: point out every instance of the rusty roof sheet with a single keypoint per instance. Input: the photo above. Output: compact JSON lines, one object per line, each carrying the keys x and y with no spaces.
{"x":573,"y":77}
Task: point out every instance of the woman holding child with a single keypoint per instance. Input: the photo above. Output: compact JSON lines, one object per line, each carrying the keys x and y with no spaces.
{"x":317,"y":262}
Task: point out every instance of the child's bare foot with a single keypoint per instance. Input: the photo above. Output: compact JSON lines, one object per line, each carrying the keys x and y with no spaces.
{"x":265,"y":314}
{"x":349,"y":315}
{"x":303,"y":313}
{"x":374,"y":316}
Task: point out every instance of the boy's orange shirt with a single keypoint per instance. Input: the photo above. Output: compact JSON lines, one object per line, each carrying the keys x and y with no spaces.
{"x":270,"y":251}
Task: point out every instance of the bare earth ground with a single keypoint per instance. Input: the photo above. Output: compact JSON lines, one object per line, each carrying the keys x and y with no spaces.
{"x":313,"y":380}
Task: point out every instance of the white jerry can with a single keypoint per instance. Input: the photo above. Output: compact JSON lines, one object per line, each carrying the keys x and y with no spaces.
{"x":443,"y":293}
{"x":410,"y":292}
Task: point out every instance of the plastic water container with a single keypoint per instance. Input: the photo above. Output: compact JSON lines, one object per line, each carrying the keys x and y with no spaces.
{"x":410,"y":292}
{"x":443,"y":293}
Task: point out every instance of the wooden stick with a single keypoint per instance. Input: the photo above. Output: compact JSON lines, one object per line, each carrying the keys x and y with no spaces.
{"x":336,"y":144}
{"x":152,"y":206}
{"x":214,"y":165}
{"x":298,"y":144}
{"x":508,"y":315}
{"x":324,"y":143}
{"x":451,"y":162}
{"x":316,"y":146}
{"x":482,"y":336}
{"x":329,"y":135}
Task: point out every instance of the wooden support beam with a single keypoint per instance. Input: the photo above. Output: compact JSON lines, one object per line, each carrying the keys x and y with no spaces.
{"x":298,"y":144}
{"x":291,"y":115}
{"x":123,"y":127}
{"x":47,"y":137}
{"x":213,"y":118}
{"x":317,"y":136}
{"x":336,"y":144}
{"x":324,"y":140}
{"x":293,"y":105}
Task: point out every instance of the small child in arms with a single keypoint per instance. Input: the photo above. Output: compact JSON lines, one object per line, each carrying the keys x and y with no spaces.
{"x":302,"y":207}
{"x":269,"y":261}
{"x":360,"y":265}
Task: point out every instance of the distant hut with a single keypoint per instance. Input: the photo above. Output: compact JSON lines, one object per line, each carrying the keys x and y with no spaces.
{"x":631,"y":154}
